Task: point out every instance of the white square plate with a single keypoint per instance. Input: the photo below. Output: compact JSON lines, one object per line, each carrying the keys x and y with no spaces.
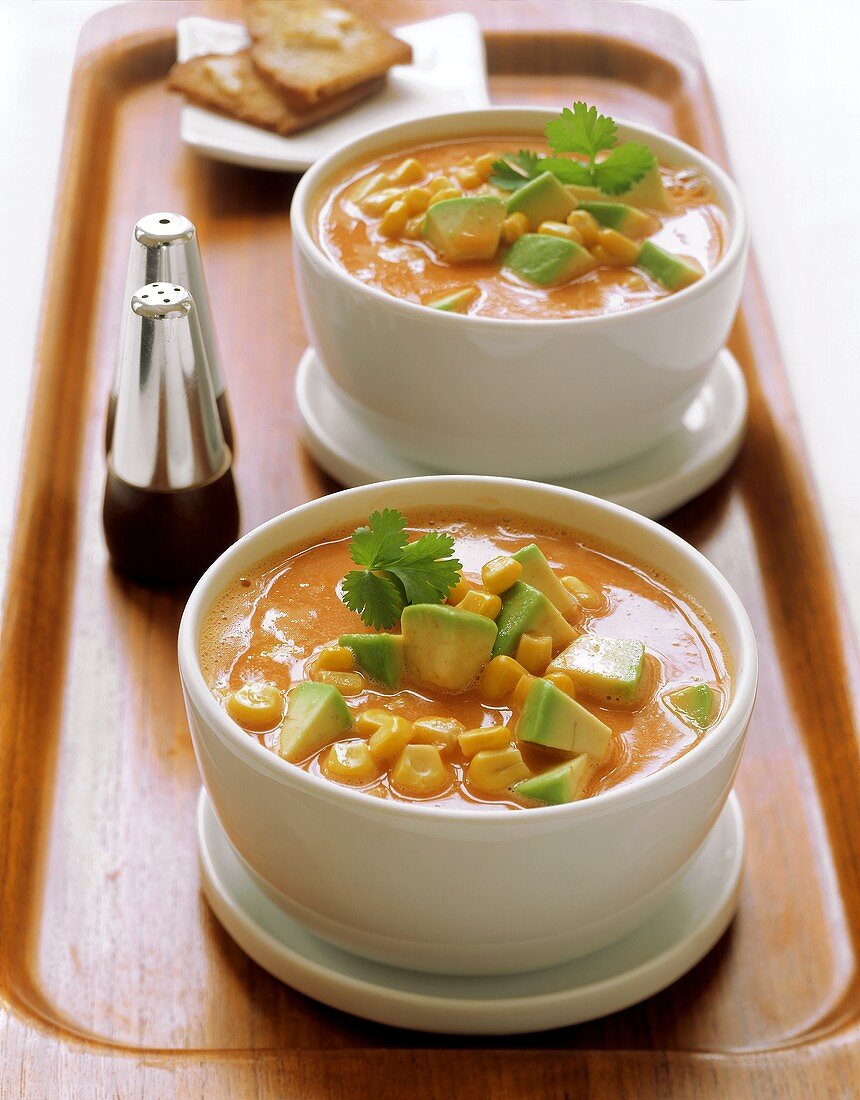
{"x":448,"y":73}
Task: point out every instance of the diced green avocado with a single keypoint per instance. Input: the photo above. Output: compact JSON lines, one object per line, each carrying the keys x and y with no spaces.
{"x":465,"y":229}
{"x":543,"y":199}
{"x":537,"y":573}
{"x":380,"y":656}
{"x":551,"y":718}
{"x":524,"y":608}
{"x":694,"y":702}
{"x":548,"y":261}
{"x":648,"y":192}
{"x":456,"y":302}
{"x":316,"y":715}
{"x":445,"y":647}
{"x":607,"y":668}
{"x":563,"y":784}
{"x":626,"y":219}
{"x":670,"y":271}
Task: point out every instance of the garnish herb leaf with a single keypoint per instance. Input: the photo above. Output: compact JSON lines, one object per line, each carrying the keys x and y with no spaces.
{"x":396,"y":572}
{"x":382,"y":540}
{"x":515,"y":169}
{"x":625,"y":166}
{"x":375,"y":598}
{"x":581,"y":130}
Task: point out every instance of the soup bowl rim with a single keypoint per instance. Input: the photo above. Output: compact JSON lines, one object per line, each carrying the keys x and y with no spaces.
{"x":303,"y":214}
{"x":246,"y":746}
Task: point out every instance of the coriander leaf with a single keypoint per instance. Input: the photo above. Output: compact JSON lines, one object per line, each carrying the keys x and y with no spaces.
{"x":376,"y":599}
{"x":568,"y":171}
{"x":624,"y":167}
{"x":514,"y":169}
{"x":581,"y":130}
{"x":397,"y":572}
{"x":373,"y":546}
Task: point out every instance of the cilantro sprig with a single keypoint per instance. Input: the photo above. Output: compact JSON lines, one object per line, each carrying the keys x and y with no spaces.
{"x":395,"y":572}
{"x":585,"y":133}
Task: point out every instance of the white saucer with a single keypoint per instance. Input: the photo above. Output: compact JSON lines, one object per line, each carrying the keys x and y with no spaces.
{"x":684,"y":464}
{"x":448,"y":73}
{"x":649,"y":959}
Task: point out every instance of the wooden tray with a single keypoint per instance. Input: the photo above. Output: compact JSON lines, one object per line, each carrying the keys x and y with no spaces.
{"x":115,"y":980}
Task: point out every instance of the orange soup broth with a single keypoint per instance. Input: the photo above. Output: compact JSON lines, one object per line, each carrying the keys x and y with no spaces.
{"x":413,"y":271}
{"x":272,"y":622}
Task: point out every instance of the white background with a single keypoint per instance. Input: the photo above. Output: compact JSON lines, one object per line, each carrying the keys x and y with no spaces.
{"x":787,"y":78}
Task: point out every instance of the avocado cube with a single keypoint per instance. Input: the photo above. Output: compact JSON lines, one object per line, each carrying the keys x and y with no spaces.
{"x":695,"y":702}
{"x":610,"y":669}
{"x":316,"y":716}
{"x":537,"y":573}
{"x":623,"y":218}
{"x":548,"y":261}
{"x":456,"y":302}
{"x":524,"y":608}
{"x":543,"y":199}
{"x":670,"y":271}
{"x":648,"y":192}
{"x":379,"y":656}
{"x":551,"y":718}
{"x":445,"y":647}
{"x":563,"y":784}
{"x":465,"y":229}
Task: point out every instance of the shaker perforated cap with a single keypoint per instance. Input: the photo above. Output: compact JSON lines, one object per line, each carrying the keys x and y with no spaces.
{"x":167,"y":432}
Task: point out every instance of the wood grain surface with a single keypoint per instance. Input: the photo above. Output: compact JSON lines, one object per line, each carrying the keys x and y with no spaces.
{"x":115,"y":980}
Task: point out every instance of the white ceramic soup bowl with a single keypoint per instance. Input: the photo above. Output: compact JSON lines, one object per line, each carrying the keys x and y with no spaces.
{"x":469,"y":891}
{"x":526,"y":398}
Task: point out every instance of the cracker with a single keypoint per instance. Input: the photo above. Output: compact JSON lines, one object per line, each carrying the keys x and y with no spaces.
{"x":317,"y":48}
{"x":231,"y":85}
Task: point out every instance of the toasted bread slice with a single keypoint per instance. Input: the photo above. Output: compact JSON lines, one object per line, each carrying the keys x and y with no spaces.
{"x":313,"y":49}
{"x":230,"y":84}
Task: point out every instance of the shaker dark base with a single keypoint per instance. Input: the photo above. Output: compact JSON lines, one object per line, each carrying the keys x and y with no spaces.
{"x":167,"y":539}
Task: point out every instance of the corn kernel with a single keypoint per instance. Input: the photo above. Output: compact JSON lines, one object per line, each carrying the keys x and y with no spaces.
{"x":256,"y":706}
{"x":586,"y":225}
{"x":417,"y":199}
{"x":420,"y":772}
{"x":447,"y":193}
{"x":394,"y":219}
{"x":620,"y":249}
{"x":534,"y":652}
{"x":559,"y":229}
{"x":484,"y":165}
{"x":514,"y":226}
{"x":481,"y":603}
{"x":412,"y":231}
{"x":391,"y":736}
{"x":563,"y":682}
{"x":500,"y":573}
{"x":585,"y":595}
{"x":459,"y":591}
{"x":336,"y":658}
{"x":440,"y":183}
{"x":522,"y":689}
{"x":377,"y":203}
{"x":438,"y":731}
{"x":347,"y":683}
{"x":367,"y":187}
{"x":370,"y":720}
{"x":500,"y":677}
{"x":410,"y":171}
{"x":469,"y":177}
{"x":480,"y":740}
{"x":350,"y":762}
{"x":495,"y":769}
